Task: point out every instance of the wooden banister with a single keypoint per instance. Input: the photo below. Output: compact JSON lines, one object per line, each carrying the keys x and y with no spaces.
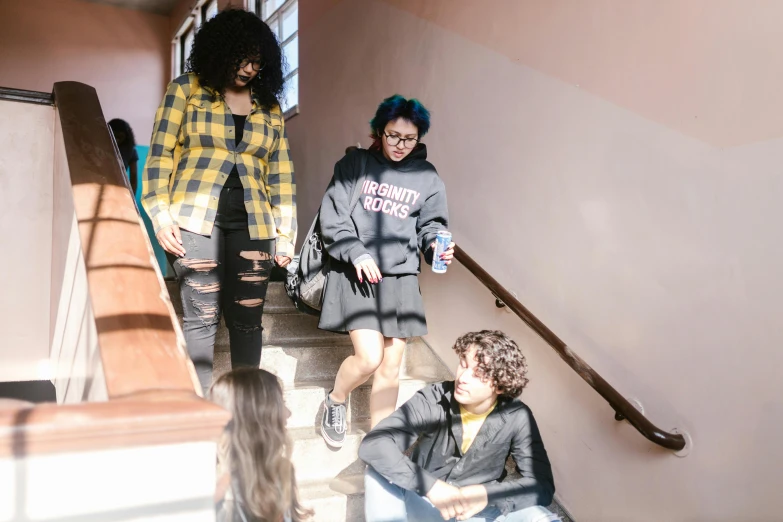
{"x":149,"y":419}
{"x":623,"y":409}
{"x":150,"y":381}
{"x":137,"y":329}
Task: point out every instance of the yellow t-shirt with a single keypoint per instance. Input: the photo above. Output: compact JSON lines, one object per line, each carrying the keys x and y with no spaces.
{"x":471,"y":424}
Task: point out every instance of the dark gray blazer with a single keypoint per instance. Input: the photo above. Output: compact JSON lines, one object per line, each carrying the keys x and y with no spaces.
{"x":432,"y":417}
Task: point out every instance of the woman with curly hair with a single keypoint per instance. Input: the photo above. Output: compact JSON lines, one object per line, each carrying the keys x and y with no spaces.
{"x":219,"y":184}
{"x":372,"y":292}
{"x":466,"y":429}
{"x":255,"y":475}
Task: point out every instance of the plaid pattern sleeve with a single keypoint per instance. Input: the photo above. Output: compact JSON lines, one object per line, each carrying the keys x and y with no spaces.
{"x":160,"y":161}
{"x":195,"y":149}
{"x":281,"y":189}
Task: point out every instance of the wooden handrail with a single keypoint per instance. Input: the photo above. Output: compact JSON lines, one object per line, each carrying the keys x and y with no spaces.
{"x":150,"y":381}
{"x":148,"y":419}
{"x":137,"y":329}
{"x":623,"y":409}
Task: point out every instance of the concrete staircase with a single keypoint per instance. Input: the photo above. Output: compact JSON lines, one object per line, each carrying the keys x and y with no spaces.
{"x":307,"y":359}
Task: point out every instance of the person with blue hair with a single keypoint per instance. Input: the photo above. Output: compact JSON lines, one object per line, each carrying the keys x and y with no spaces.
{"x":372,"y":292}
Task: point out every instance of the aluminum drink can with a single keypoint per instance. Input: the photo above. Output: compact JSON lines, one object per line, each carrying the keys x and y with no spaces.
{"x":442,"y":242}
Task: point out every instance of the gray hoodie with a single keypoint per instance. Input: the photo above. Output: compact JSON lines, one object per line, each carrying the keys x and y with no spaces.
{"x":402,"y":206}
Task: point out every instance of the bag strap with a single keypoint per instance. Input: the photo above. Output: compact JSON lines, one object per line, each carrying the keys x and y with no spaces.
{"x":357,"y":189}
{"x":315,"y":223}
{"x":354,"y":200}
{"x":354,"y":196}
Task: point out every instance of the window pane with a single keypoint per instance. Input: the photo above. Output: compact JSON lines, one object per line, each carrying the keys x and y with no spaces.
{"x":291,"y":52}
{"x":291,"y":93}
{"x":273,"y":24}
{"x":187,"y":43}
{"x":272,"y":6}
{"x":212,"y":10}
{"x":290,"y":21}
{"x":254,"y":6}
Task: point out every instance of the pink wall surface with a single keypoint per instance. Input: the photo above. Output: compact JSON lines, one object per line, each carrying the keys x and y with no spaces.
{"x":124,"y":54}
{"x":26,"y":158}
{"x":650,"y":244}
{"x":178,"y":15}
{"x":703,"y":67}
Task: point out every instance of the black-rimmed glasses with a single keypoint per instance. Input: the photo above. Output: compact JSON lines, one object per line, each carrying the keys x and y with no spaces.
{"x":393,"y":140}
{"x":257,"y":66}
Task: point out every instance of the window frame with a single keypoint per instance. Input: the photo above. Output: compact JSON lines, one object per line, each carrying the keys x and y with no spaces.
{"x":200,"y":11}
{"x":205,"y":8}
{"x":191,"y":24}
{"x":259,"y":7}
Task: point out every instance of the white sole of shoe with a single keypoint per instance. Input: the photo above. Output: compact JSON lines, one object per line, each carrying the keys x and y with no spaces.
{"x":329,"y":442}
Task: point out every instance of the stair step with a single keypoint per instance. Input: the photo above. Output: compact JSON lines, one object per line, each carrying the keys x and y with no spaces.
{"x":294,"y":363}
{"x":297,"y":328}
{"x":289,"y":328}
{"x":316,"y":462}
{"x":304,"y":363}
{"x":277,"y":301}
{"x":305,"y":400}
{"x":320,"y":363}
{"x":340,"y":500}
{"x":286,"y":329}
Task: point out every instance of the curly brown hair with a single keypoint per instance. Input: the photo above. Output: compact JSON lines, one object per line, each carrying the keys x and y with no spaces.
{"x":499,"y":359}
{"x":225,"y":41}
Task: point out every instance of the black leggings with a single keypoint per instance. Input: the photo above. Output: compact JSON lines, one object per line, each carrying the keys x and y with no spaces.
{"x":226,"y":272}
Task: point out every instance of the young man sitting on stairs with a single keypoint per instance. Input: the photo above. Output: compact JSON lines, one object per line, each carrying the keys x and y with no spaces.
{"x":465,"y":430}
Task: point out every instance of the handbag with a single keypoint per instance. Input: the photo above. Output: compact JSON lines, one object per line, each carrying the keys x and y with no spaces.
{"x":306,"y":279}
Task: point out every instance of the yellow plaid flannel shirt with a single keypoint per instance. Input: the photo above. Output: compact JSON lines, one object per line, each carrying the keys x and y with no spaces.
{"x":193,"y":151}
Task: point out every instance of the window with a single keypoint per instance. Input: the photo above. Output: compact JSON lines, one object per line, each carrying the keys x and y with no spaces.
{"x":282,"y":16}
{"x":182,"y":44}
{"x":209,"y":10}
{"x":183,"y":41}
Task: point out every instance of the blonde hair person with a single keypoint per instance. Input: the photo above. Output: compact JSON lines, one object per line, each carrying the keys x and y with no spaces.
{"x":256,"y":481}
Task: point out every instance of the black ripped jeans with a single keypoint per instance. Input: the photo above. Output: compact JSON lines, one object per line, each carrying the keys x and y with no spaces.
{"x":226,"y":272}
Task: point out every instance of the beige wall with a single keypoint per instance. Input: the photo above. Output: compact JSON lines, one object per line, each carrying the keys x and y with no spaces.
{"x":75,"y":358}
{"x":167,"y":483}
{"x":124,"y":54}
{"x":25,"y":219}
{"x":703,"y":67}
{"x":649,"y":243}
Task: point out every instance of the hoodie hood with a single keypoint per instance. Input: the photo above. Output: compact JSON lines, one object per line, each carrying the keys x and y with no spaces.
{"x":400,"y":209}
{"x":416,"y":160}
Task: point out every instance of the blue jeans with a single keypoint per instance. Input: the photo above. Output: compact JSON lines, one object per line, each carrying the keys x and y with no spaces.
{"x":386,"y":502}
